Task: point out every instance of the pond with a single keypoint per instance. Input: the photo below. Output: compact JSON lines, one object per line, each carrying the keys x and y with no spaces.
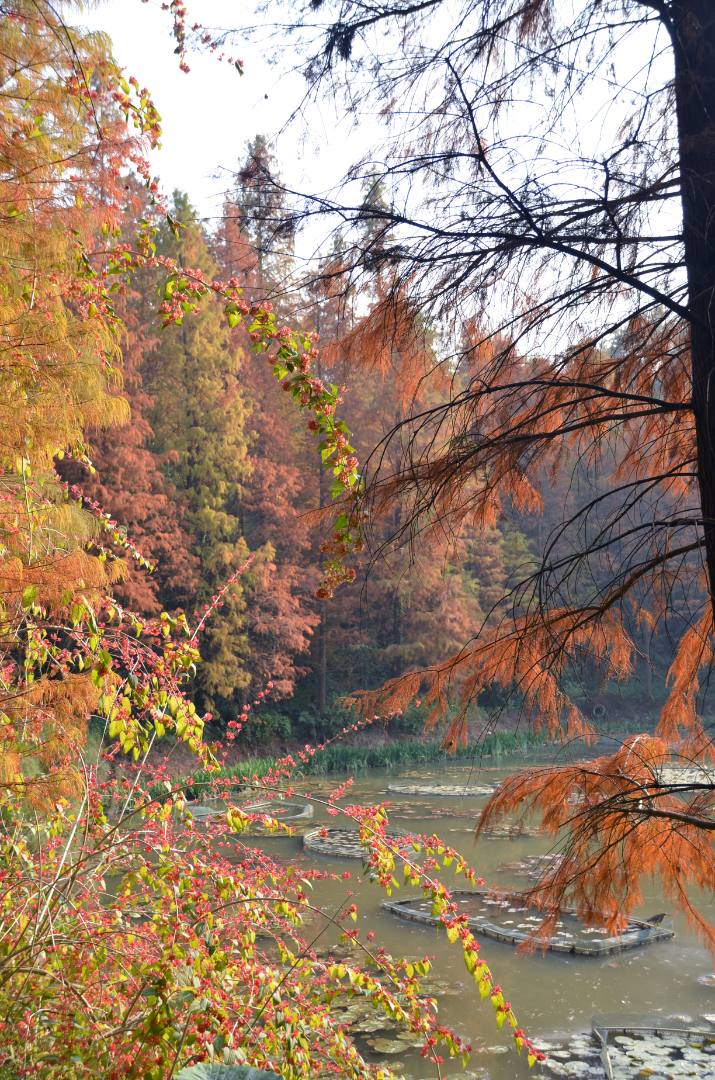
{"x":554,"y":996}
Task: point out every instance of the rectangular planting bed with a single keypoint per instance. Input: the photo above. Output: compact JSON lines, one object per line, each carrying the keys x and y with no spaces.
{"x":508,"y":918}
{"x":640,"y":1046}
{"x":442,"y":791}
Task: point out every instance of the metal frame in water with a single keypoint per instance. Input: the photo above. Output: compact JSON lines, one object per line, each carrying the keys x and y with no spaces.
{"x":637,"y":931}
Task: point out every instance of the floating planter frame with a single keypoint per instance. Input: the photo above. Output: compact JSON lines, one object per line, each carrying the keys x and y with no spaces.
{"x":685,"y":775}
{"x":606,"y":1029}
{"x":339,"y":843}
{"x":637,"y":932}
{"x":441,"y":791}
{"x":296,"y":812}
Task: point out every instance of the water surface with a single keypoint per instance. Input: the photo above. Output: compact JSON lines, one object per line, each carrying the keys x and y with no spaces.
{"x":554,"y":996}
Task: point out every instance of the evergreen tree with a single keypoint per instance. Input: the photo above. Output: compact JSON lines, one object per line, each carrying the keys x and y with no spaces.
{"x":199,"y":420}
{"x":519,"y":563}
{"x":485,"y":565}
{"x":259,"y":210}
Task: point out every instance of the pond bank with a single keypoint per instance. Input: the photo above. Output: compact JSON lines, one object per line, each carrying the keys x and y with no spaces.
{"x":340,"y":758}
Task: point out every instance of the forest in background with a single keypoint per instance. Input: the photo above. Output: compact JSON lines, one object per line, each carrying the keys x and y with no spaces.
{"x":212,"y":466}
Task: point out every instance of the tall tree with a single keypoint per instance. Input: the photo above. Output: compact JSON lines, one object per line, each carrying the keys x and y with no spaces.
{"x":258,"y":208}
{"x":59,"y":343}
{"x":580,"y":247}
{"x":199,"y":418}
{"x":277,"y":491}
{"x":405,"y":609}
{"x":129,"y":482}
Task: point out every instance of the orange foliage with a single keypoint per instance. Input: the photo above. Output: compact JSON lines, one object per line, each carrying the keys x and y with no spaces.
{"x":530,"y":655}
{"x":392,"y":338}
{"x":623,"y":822}
{"x":61,"y":125}
{"x":618,"y":822}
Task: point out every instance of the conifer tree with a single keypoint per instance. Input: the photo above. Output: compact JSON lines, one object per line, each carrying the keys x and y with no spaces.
{"x":277,"y":498}
{"x":485,"y":565}
{"x":199,"y":417}
{"x":277,"y":491}
{"x":63,"y":148}
{"x":405,"y":606}
{"x":258,"y":207}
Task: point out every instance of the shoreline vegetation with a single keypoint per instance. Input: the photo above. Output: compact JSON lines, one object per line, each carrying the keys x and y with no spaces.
{"x":341,"y":759}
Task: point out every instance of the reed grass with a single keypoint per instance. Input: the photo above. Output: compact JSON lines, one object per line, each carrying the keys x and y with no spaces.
{"x":341,"y":759}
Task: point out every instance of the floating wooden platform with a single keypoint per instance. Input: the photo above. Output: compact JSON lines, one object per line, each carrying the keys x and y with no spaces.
{"x":506,"y":917}
{"x":339,"y":843}
{"x":442,"y":791}
{"x":640,"y":1046}
{"x":684,"y":775}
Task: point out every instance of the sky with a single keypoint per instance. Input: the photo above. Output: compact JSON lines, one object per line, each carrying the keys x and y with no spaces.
{"x":209,"y":114}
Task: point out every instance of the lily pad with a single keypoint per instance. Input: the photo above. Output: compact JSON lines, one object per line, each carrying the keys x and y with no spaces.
{"x":369,"y":1025}
{"x":341,"y":843}
{"x":387,"y":1046}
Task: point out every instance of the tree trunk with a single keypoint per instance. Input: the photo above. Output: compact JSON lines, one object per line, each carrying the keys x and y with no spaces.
{"x":322,"y":696}
{"x":646,"y":642}
{"x":396,"y":632}
{"x":693,"y":32}
{"x":323,"y":661}
{"x":396,"y":599}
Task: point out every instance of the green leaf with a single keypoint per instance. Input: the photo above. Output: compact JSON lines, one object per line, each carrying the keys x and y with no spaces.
{"x":211,"y":1071}
{"x":29,"y":595}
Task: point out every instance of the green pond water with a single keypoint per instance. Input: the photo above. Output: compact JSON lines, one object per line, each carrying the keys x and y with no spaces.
{"x":554,"y":996}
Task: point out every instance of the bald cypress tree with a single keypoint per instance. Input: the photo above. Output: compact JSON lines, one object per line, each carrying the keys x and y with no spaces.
{"x":561,"y":205}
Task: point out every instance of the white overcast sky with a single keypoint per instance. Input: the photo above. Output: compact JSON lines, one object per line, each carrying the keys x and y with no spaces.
{"x":209,"y":114}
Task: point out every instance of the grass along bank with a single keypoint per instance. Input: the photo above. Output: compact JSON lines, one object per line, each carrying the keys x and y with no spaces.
{"x":339,"y":758}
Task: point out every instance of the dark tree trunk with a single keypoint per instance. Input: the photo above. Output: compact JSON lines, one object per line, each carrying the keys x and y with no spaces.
{"x":396,"y":632}
{"x":693,"y":32}
{"x":646,"y":643}
{"x":322,"y":684}
{"x":396,"y":599}
{"x":322,"y":699}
